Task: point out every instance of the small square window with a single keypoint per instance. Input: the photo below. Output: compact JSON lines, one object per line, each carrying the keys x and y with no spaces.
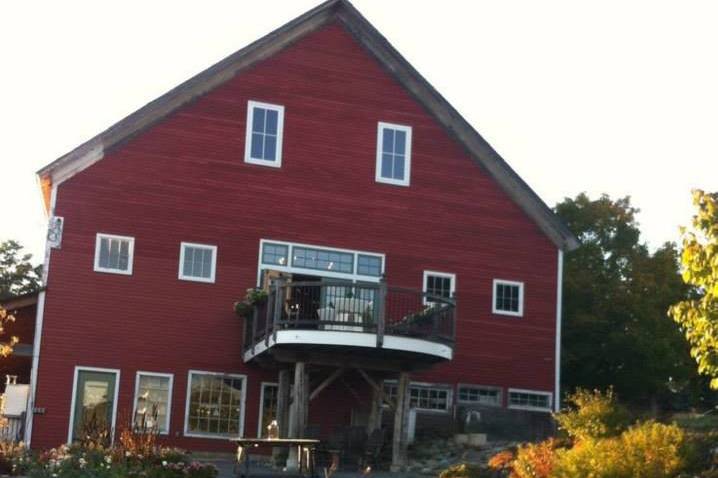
{"x":508,"y":298}
{"x":197,"y":262}
{"x":265,"y":126}
{"x":114,"y":254}
{"x":275,"y":254}
{"x":438,"y":284}
{"x":393,"y":154}
{"x":369,"y":265}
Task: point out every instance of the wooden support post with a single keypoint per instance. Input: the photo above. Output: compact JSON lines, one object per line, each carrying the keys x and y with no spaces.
{"x":298,"y":421}
{"x":401,"y":422}
{"x":374,"y":421}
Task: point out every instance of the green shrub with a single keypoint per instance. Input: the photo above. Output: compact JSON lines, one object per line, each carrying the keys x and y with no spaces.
{"x":592,"y":415}
{"x":646,"y":450}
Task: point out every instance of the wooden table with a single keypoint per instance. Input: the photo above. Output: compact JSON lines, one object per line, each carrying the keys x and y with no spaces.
{"x":304,"y":446}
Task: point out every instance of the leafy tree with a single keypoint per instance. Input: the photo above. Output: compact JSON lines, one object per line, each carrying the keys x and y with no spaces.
{"x":616,"y":293}
{"x":698,"y":315}
{"x":17,"y":274}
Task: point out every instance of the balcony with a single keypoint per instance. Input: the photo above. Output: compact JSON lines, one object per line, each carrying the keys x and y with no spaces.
{"x":335,"y":322}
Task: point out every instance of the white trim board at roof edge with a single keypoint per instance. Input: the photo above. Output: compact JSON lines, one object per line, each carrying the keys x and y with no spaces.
{"x":343,"y":13}
{"x":355,"y":276}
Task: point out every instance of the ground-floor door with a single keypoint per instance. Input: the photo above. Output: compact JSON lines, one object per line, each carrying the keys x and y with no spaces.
{"x":94,"y":402}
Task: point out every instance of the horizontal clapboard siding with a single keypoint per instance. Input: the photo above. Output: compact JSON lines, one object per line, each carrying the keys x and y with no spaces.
{"x":185,"y":179}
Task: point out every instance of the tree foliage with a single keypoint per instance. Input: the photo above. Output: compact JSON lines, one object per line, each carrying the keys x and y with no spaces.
{"x":698,"y":315}
{"x":17,"y":274}
{"x":616,"y":293}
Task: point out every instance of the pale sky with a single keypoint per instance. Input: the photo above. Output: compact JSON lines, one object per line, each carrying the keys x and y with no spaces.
{"x":618,"y":97}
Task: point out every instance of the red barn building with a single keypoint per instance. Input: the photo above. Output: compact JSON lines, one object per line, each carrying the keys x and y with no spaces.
{"x":389,"y":240}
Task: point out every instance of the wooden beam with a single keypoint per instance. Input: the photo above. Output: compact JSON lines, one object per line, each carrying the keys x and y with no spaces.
{"x":300,"y":399}
{"x":401,"y":422}
{"x":329,"y":359}
{"x":377,"y":389}
{"x":326,"y":382}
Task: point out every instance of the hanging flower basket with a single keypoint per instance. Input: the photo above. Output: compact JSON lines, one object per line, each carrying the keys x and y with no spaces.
{"x":252,"y":298}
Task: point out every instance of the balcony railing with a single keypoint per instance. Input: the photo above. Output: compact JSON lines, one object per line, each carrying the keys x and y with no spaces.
{"x":351,"y":307}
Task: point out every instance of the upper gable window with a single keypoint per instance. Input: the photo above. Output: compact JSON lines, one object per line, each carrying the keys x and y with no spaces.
{"x":114,"y":254}
{"x":197,"y":262}
{"x":393,"y":154}
{"x":265,"y":124}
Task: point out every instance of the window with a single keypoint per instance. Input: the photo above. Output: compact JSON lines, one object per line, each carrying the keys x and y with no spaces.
{"x":265,"y":124}
{"x":153,"y":397}
{"x":215,"y":405}
{"x":438,"y":284}
{"x":275,"y":254}
{"x":369,"y":265}
{"x":393,"y":154}
{"x":480,"y":395}
{"x":319,"y":261}
{"x":508,"y":297}
{"x":425,"y":397}
{"x":113,"y":254}
{"x":530,"y":400}
{"x":267,"y":407}
{"x":197,"y":262}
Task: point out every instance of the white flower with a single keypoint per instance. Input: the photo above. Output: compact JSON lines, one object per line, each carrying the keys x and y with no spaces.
{"x":164,"y":463}
{"x":108,"y":459}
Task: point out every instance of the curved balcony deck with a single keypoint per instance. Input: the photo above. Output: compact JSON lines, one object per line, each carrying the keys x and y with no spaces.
{"x":336,"y":322}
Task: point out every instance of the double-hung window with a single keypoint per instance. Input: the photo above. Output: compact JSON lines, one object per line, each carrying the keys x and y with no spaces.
{"x":438,"y":285}
{"x":215,"y":404}
{"x":425,"y":397}
{"x":153,"y":397}
{"x":393,"y":154}
{"x":113,"y":254}
{"x":198,"y":262}
{"x":508,"y":298}
{"x":265,"y":126}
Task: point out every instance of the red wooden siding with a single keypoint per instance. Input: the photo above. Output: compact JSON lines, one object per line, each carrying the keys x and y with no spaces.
{"x":185,"y":180}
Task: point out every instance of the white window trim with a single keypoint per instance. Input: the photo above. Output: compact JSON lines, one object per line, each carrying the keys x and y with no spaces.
{"x":77,"y":371}
{"x":261,"y":405}
{"x":482,"y":387}
{"x":381,"y":126}
{"x":187,"y":433}
{"x":182,"y":276}
{"x":440,"y":386}
{"x":449,"y":275}
{"x":548,"y":409}
{"x":496,"y":311}
{"x":171,"y":378}
{"x":130,"y":254}
{"x":277,"y":163}
{"x":328,"y":274}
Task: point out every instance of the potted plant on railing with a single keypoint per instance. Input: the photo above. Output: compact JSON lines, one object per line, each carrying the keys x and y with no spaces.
{"x":252,"y":298}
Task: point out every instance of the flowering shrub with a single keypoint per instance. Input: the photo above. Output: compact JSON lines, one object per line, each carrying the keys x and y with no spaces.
{"x":535,"y":460}
{"x":116,"y":462}
{"x":15,"y":458}
{"x":464,"y":471}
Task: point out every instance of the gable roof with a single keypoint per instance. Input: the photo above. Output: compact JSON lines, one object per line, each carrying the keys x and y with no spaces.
{"x":369,"y":37}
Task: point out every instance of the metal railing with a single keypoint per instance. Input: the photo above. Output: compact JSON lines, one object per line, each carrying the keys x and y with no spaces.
{"x":351,"y":307}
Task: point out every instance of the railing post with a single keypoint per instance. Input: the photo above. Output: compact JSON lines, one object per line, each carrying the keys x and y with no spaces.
{"x":453,"y":318}
{"x":279,"y":287}
{"x":381,"y":312}
{"x":255,"y":317}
